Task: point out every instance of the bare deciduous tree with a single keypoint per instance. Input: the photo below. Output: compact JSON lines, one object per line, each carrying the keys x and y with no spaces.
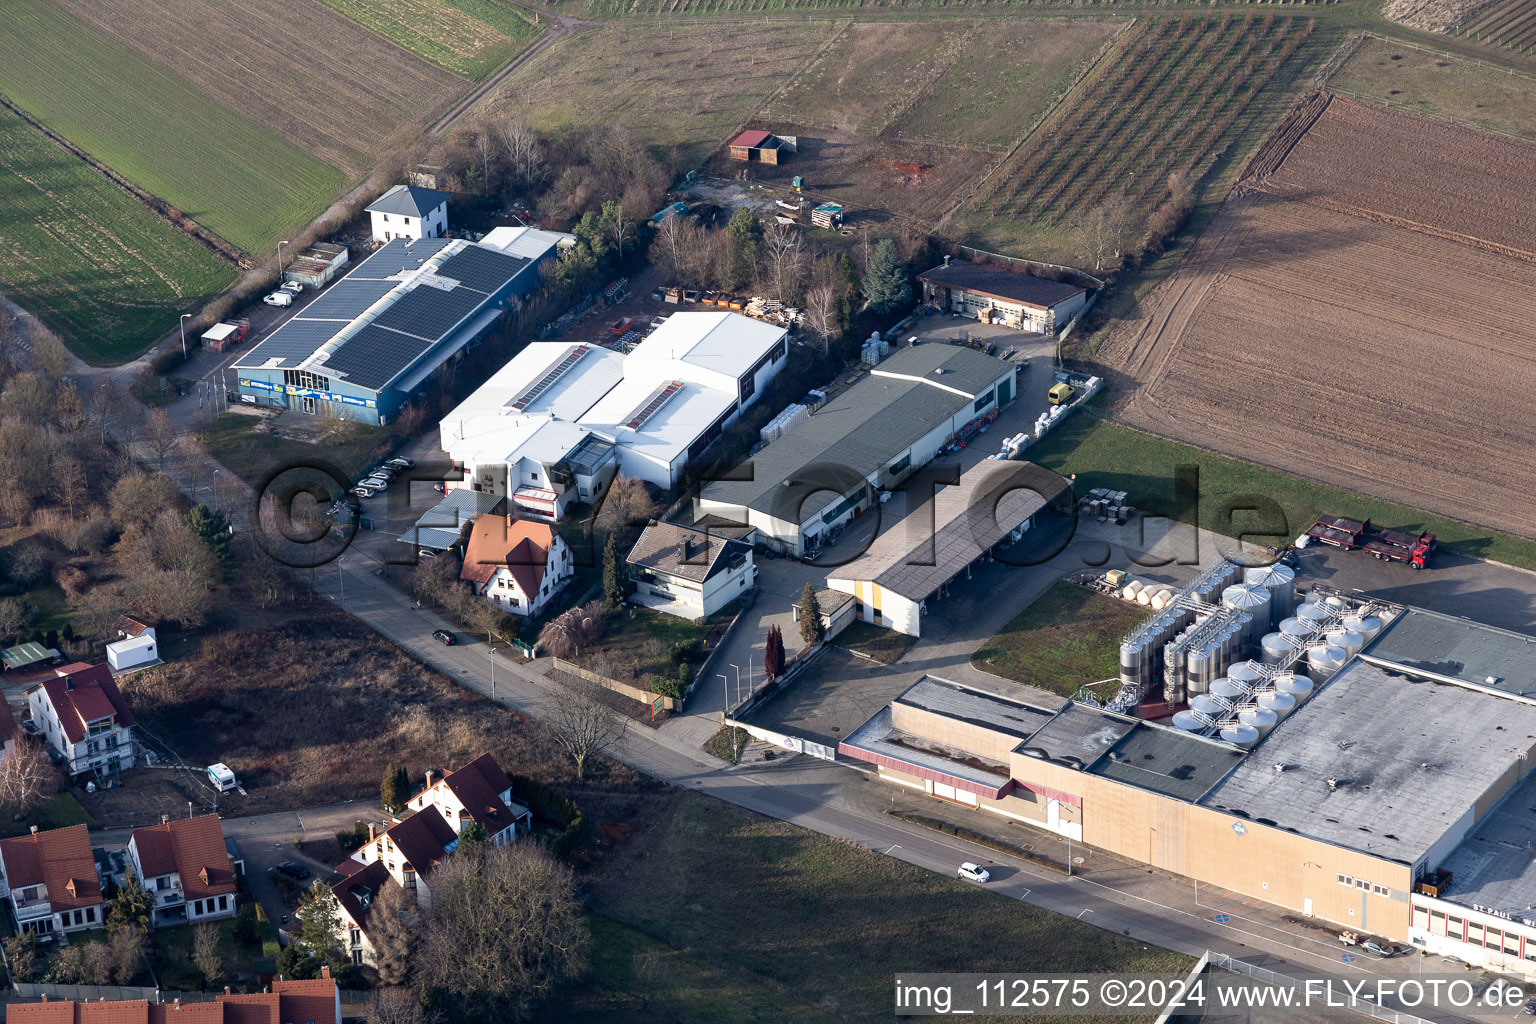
{"x":27,"y":776}
{"x":205,"y":951}
{"x":573,"y":631}
{"x":390,"y":937}
{"x":821,"y":315}
{"x":583,"y":720}
{"x":524,"y":151}
{"x":160,"y":435}
{"x":784,"y":259}
{"x":127,"y":946}
{"x":1104,"y":232}
{"x":505,"y":928}
{"x":399,"y":1006}
{"x":626,"y":506}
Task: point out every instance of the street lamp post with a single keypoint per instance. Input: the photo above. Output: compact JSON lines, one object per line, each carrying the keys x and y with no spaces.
{"x":216,"y":503}
{"x":184,"y":318}
{"x":280,"y":261}
{"x":490,"y":651}
{"x":725,"y":692}
{"x":738,"y":682}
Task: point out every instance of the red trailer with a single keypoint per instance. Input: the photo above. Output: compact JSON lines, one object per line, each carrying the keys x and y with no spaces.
{"x":1388,"y":545}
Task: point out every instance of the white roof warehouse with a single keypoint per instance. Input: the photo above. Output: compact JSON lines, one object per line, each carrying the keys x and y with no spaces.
{"x":658,"y":407}
{"x":827,"y":469}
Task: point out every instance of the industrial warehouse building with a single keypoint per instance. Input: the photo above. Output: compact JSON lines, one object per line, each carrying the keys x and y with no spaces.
{"x":913,"y":561}
{"x":831,"y":466}
{"x":1002,"y":297}
{"x":563,"y":417}
{"x":369,"y":343}
{"x":1394,"y":801}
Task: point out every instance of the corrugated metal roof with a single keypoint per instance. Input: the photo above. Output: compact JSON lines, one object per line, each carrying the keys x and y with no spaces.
{"x":860,"y":431}
{"x":1002,"y":284}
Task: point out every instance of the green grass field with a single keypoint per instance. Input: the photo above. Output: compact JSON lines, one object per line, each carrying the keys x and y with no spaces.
{"x":235,"y":443}
{"x":471,"y":38}
{"x":739,"y":906}
{"x":685,"y":87}
{"x":99,"y":269}
{"x":876,"y":643}
{"x":1105,"y":454}
{"x":1469,"y":92}
{"x":234,"y":177}
{"x":1068,"y":638}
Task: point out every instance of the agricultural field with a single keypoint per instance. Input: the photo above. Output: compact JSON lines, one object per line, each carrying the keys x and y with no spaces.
{"x":233,"y":176}
{"x":298,"y":69}
{"x":921,"y":79}
{"x":1383,"y":310}
{"x":470,"y":38}
{"x":101,"y":270}
{"x":682,"y":87}
{"x":1169,"y":96}
{"x":1510,"y":24}
{"x":1451,"y":88}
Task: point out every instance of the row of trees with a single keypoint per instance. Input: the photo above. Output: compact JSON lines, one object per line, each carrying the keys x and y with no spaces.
{"x":1116,"y":231}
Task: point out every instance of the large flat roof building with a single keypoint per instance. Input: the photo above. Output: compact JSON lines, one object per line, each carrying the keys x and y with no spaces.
{"x":371,"y":340}
{"x":655,"y":409}
{"x":1395,"y":800}
{"x":828,"y":467}
{"x":912,"y":560}
{"x":1002,"y":296}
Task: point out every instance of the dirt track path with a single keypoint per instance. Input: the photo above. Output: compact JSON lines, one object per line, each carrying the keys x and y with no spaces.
{"x":561,"y":28}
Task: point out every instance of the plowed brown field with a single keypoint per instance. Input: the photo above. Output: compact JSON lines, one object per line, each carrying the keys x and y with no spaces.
{"x":1357,"y":317}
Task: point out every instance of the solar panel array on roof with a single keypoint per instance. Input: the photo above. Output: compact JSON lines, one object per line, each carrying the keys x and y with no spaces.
{"x":547,"y":381}
{"x":374,"y":356}
{"x":429,"y":312}
{"x":345,"y":299}
{"x":481,"y":269}
{"x":291,"y":344}
{"x":397,"y":256}
{"x":660,"y":397}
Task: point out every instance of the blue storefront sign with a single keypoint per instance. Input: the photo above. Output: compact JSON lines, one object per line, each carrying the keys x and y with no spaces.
{"x":289,"y":389}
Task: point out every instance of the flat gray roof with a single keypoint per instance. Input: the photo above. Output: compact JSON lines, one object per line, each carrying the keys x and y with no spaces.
{"x":1168,"y":761}
{"x":932,"y":544}
{"x":1078,"y":736}
{"x":1494,"y":867}
{"x":990,"y":711}
{"x":1410,"y":757}
{"x":877,"y":737}
{"x":1001,"y":284}
{"x":1433,"y":644}
{"x":440,"y":525}
{"x":861,"y":430}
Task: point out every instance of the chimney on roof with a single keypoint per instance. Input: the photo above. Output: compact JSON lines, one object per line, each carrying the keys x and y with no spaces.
{"x":165,"y":819}
{"x":687,"y":547}
{"x":372,"y":832}
{"x":226,"y":990}
{"x":946,"y":261}
{"x":325,"y":973}
{"x":429,"y":778}
{"x":34,"y":830}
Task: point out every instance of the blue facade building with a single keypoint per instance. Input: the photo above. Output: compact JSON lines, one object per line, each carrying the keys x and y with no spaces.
{"x":374,"y":338}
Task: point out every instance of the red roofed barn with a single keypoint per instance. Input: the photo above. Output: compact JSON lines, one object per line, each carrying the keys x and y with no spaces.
{"x":516,"y":563}
{"x":84,"y":718}
{"x":51,"y":880}
{"x":185,"y":866}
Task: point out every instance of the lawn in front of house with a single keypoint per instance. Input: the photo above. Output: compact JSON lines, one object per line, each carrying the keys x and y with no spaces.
{"x":1068,"y":638}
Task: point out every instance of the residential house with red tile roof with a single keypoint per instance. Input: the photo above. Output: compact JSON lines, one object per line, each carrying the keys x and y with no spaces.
{"x":290,"y":1002}
{"x":480,"y":792}
{"x":185,"y":866}
{"x":410,"y":850}
{"x":82,"y":715}
{"x":51,"y":881}
{"x":517,"y":564}
{"x":356,"y":896}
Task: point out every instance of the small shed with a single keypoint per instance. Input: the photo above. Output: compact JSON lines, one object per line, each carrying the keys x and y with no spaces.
{"x":134,"y":652}
{"x":762,"y":146}
{"x":29,"y":653}
{"x":225,"y":335}
{"x":827,"y":215}
{"x":317,"y":265}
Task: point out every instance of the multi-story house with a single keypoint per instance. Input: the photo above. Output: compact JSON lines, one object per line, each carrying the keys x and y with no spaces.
{"x":81,"y":714}
{"x":479,"y":792}
{"x":184,"y":864}
{"x":515,"y":563}
{"x":51,"y":882}
{"x":410,"y":850}
{"x":357,"y":894}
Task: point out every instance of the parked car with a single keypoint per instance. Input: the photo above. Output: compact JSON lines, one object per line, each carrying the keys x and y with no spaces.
{"x":440,"y":487}
{"x":376,"y":480}
{"x":279,"y":299}
{"x":401,"y":462}
{"x":974,"y":872}
{"x":385,"y":471}
{"x":292,"y":869}
{"x":364,"y":491}
{"x":444,"y":637}
{"x":292,"y":288}
{"x":1530,"y":1009}
{"x":1376,"y":950}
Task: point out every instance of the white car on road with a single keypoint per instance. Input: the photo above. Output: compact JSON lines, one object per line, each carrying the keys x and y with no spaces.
{"x":279,"y":299}
{"x":974,"y":872}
